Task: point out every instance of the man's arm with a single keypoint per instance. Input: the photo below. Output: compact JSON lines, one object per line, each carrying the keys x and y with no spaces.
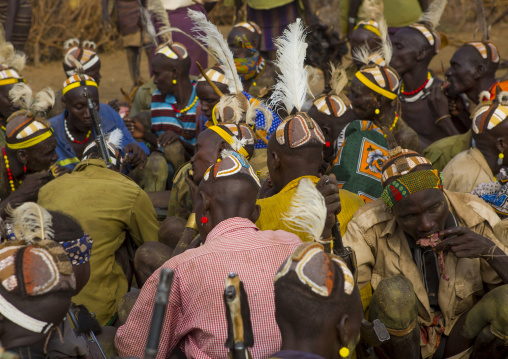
{"x":143,"y":226}
{"x":130,"y":339}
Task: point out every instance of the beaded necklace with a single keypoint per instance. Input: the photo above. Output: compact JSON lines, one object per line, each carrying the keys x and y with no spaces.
{"x":394,"y":123}
{"x":411,"y":93}
{"x":179,"y":112}
{"x":9,"y":173}
{"x":72,"y":138}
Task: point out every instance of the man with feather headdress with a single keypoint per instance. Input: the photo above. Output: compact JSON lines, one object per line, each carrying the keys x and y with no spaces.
{"x":424,"y":105}
{"x":111,"y":208}
{"x":30,"y":146}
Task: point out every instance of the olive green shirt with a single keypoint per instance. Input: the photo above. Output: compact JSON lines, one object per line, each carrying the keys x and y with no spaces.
{"x":143,"y":98}
{"x":108,"y":205}
{"x":442,"y":151}
{"x":261,"y":4}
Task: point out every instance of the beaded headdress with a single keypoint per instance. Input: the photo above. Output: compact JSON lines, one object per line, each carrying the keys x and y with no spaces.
{"x":487,"y":50}
{"x":232,"y":163}
{"x":78,"y":80}
{"x":488,"y":115}
{"x":334,"y":103}
{"x":79,"y":57}
{"x":11,"y":64}
{"x":215,"y":74}
{"x":429,"y":21}
{"x":113,"y":143}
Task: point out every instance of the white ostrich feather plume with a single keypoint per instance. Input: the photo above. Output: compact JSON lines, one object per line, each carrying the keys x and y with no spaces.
{"x":362,"y":54}
{"x":338,"y":79}
{"x":70,"y":42}
{"x":434,"y":13}
{"x":115,"y":137}
{"x":238,"y":144}
{"x":291,"y":89}
{"x":308,"y":210}
{"x":31,"y":222}
{"x":251,"y":114}
{"x":210,"y":35}
{"x":21,"y":95}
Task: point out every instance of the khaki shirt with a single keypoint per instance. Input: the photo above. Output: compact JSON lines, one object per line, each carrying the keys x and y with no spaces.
{"x":466,"y":171}
{"x":107,"y":204}
{"x":442,"y":151}
{"x":382,"y":251}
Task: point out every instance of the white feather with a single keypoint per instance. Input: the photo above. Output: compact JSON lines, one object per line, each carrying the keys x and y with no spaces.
{"x":433,"y":13}
{"x":338,"y":79}
{"x":308,"y":210}
{"x":238,"y":144}
{"x":361,"y":54}
{"x":21,"y":96}
{"x":211,"y":36}
{"x":291,"y":89}
{"x":115,"y":137}
{"x":44,"y":101}
{"x":88,"y":44}
{"x":386,"y":47}
{"x":502,"y":97}
{"x":31,"y":222}
{"x":70,"y":42}
{"x":251,"y":114}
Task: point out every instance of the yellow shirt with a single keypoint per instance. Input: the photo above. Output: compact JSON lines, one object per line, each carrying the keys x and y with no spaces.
{"x":272,"y":208}
{"x":108,"y":205}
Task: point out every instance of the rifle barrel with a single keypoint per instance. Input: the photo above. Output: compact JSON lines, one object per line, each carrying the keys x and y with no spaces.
{"x":159,"y":311}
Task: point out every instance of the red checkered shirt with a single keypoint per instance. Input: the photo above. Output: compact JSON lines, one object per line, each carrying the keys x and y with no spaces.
{"x":195,"y":319}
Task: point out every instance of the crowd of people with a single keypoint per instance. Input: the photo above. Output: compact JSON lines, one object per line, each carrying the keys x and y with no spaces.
{"x":369,"y":221}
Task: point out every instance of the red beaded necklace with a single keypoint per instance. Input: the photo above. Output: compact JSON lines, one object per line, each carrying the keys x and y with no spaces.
{"x":9,"y":173}
{"x":411,"y":93}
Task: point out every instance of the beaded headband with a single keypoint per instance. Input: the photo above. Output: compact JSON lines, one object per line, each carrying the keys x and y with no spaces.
{"x":231,"y":164}
{"x":233,"y":141}
{"x":215,"y":76}
{"x":75,"y":81}
{"x":298,"y":131}
{"x":316,"y":270}
{"x":77,"y":59}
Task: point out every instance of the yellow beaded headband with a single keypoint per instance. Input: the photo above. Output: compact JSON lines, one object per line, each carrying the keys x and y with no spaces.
{"x":9,"y":77}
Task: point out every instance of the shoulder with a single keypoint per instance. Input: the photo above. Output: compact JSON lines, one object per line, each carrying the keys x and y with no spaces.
{"x":57,"y":120}
{"x":371,"y":214}
{"x":350,"y":198}
{"x":471,"y":210}
{"x":460,"y":158}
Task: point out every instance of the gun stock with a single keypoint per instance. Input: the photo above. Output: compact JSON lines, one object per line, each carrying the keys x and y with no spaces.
{"x":159,"y":311}
{"x":94,"y":347}
{"x":99,"y":135}
{"x":240,"y":335}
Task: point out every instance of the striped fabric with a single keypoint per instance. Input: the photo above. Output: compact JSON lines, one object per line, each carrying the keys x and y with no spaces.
{"x":165,"y":118}
{"x":31,"y":129}
{"x":22,"y":22}
{"x":195,"y":318}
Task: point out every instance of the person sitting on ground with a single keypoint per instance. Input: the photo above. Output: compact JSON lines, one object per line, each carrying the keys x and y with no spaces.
{"x":79,"y":58}
{"x":114,"y":211}
{"x":226,"y":210}
{"x":66,"y":231}
{"x":472,"y":73}
{"x":318,"y":307}
{"x":373,"y":93}
{"x":256,"y":72}
{"x":423,"y":103}
{"x":37,"y":285}
{"x":296,"y":150}
{"x":482,"y":162}
{"x":399,"y":242}
{"x":11,"y":64}
{"x":30,"y":148}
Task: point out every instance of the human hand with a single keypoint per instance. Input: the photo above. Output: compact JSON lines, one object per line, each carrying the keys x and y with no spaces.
{"x":61,"y":170}
{"x":329,"y":189}
{"x":31,"y":185}
{"x":168,"y":138}
{"x":464,"y":243}
{"x":437,"y":101}
{"x":135,"y":127}
{"x":135,"y":155}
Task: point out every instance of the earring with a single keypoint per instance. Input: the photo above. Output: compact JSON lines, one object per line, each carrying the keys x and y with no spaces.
{"x":500,"y":159}
{"x":24,"y":169}
{"x":344,"y":352}
{"x":174,"y":81}
{"x":327,"y":144}
{"x":204,"y":220}
{"x":376,"y":111}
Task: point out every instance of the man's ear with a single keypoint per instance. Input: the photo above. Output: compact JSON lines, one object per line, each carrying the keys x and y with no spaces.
{"x":422,"y":54}
{"x":222,"y":146}
{"x":205,"y":204}
{"x":480,"y":71}
{"x":256,"y":212}
{"x":276,"y":160}
{"x":64,"y":102}
{"x":22,"y":156}
{"x":501,"y":145}
{"x":343,"y":330}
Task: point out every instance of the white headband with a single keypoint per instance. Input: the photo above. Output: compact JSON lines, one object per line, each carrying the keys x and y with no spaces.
{"x":23,"y":320}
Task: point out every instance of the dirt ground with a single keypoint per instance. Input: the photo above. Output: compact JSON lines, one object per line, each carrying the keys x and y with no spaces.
{"x":115,"y":74}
